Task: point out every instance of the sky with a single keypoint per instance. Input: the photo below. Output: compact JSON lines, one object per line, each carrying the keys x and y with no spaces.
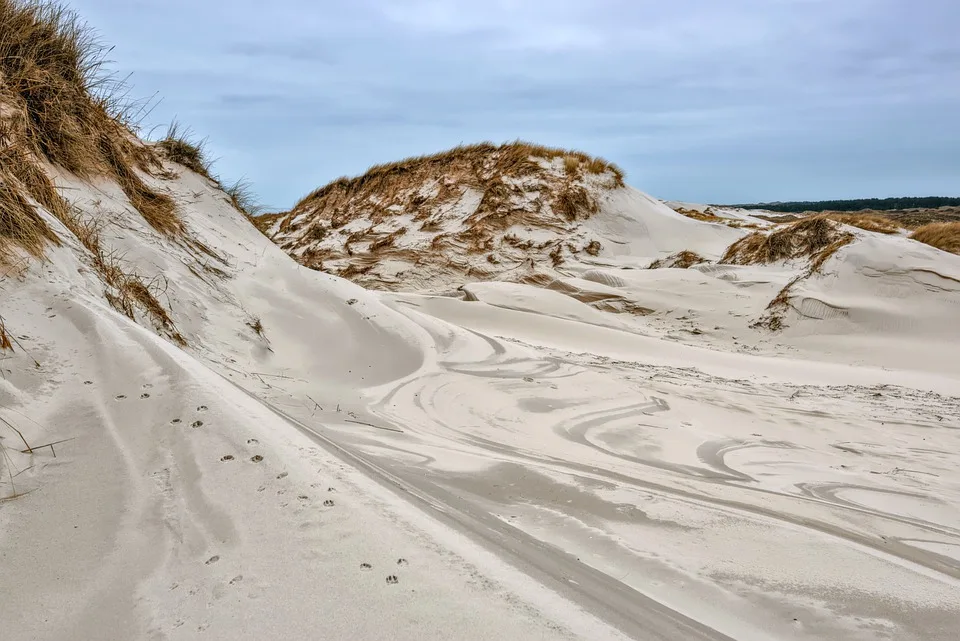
{"x":712,"y":101}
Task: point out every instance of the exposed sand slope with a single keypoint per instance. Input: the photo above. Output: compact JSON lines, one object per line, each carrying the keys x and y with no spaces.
{"x":158,"y":518}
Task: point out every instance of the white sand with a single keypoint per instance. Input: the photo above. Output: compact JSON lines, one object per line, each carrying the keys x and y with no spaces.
{"x":544,"y":469}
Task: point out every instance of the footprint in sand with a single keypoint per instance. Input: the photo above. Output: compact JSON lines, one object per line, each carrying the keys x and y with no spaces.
{"x":120,"y":397}
{"x":282,"y":475}
{"x":392,"y":579}
{"x":88,"y":382}
{"x":331,"y":489}
{"x":146,"y":386}
{"x":402,"y":562}
{"x":213,"y":559}
{"x":252,"y":441}
{"x":237,"y":579}
{"x":256,"y":459}
{"x":144,"y":395}
{"x":196,"y":424}
{"x":202,"y":408}
{"x":176,"y":421}
{"x":366,"y":567}
{"x":228,"y":457}
{"x":328,"y":503}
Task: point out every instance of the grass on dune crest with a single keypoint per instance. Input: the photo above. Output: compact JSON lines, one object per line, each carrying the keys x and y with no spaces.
{"x":514,"y":158}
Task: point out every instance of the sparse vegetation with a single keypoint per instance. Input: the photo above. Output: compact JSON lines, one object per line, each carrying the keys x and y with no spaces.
{"x":180,"y":147}
{"x":242,"y":197}
{"x":945,"y":236}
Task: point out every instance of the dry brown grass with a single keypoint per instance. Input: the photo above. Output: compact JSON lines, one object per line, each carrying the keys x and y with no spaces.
{"x":944,"y":236}
{"x":5,"y":342}
{"x":868,"y":222}
{"x":180,"y":147}
{"x":705,"y":216}
{"x":57,"y":106}
{"x":804,"y":238}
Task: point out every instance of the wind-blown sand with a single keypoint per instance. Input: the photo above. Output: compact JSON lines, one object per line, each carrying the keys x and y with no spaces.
{"x":523,"y":464}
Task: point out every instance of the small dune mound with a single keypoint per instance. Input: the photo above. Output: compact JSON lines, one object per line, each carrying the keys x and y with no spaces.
{"x":681,"y":260}
{"x":475,"y":211}
{"x":944,"y":236}
{"x":814,"y":238}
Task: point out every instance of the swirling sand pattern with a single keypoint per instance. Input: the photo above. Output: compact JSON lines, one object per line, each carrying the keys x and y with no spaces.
{"x":662,"y":484}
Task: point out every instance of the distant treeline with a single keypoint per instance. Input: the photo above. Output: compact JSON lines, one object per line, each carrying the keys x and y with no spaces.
{"x":879,"y":204}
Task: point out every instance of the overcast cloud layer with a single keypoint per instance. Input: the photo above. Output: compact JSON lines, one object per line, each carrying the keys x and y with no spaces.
{"x":698,"y":100}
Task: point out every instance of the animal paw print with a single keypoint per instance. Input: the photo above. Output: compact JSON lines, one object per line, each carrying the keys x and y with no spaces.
{"x":252,"y":441}
{"x":88,"y":382}
{"x":402,"y":562}
{"x":282,"y":475}
{"x":202,"y":408}
{"x":213,"y":559}
{"x":328,"y":503}
{"x":228,"y":457}
{"x":366,"y":567}
{"x":196,"y":424}
{"x":256,"y":459}
{"x":176,"y":421}
{"x":144,"y":395}
{"x":392,"y":579}
{"x":120,"y":397}
{"x":237,"y":579}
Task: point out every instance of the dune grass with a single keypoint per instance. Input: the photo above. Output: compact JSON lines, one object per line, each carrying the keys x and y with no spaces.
{"x":944,"y":236}
{"x":179,"y":146}
{"x":60,"y":107}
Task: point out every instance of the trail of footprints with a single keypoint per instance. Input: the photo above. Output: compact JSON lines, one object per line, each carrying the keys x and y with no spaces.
{"x":391,"y":579}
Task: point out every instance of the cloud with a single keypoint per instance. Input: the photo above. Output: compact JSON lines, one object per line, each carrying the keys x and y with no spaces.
{"x":697,"y":99}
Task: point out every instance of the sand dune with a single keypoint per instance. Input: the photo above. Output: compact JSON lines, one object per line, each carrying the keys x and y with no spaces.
{"x":550,"y":423}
